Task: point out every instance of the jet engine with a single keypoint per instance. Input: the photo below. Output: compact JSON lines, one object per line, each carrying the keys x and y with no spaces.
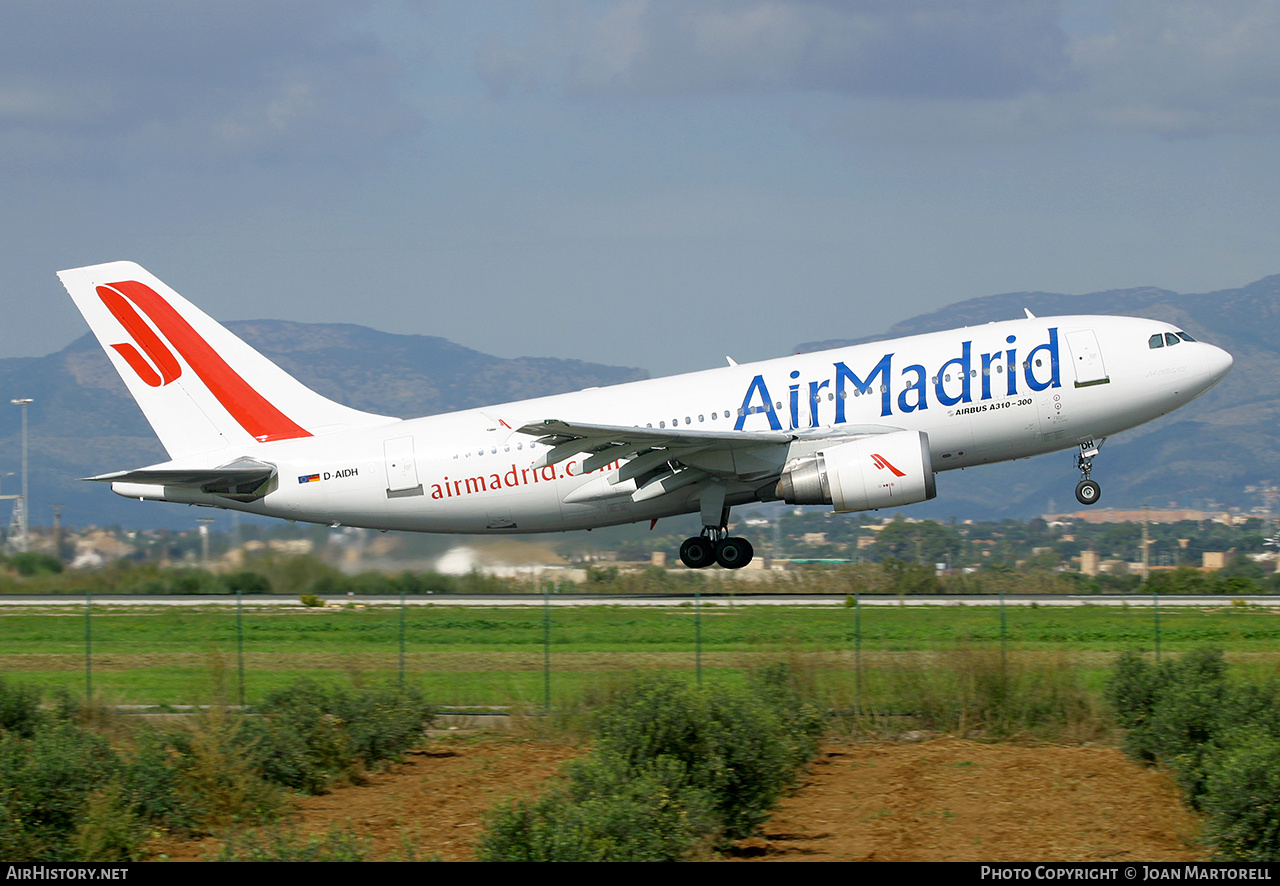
{"x":879,"y":471}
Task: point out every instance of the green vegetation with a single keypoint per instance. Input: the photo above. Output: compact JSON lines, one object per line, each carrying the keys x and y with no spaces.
{"x":672,"y":769}
{"x":77,"y":786}
{"x":495,"y":656}
{"x":1221,"y":738}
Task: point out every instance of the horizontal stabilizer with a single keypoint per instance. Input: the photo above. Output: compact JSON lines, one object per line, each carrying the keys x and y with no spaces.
{"x":244,"y":479}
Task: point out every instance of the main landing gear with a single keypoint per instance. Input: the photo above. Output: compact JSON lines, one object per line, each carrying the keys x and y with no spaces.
{"x":715,"y":546}
{"x":1087,"y":491}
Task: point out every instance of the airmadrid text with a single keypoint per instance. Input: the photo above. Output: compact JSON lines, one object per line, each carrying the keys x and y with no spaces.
{"x":963,"y":379}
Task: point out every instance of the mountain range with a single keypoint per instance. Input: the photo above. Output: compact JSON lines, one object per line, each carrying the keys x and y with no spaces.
{"x":1216,"y":452}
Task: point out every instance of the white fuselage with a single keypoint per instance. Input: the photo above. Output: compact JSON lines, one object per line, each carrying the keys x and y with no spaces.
{"x":982,"y":394}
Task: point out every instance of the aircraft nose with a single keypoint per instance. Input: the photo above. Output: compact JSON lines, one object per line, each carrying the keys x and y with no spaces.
{"x":1217,"y":364}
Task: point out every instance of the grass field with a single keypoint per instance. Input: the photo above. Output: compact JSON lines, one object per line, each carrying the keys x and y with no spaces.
{"x":496,"y":656}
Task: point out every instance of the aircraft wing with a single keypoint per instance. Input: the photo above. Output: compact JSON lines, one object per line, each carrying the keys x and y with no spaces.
{"x":661,"y":460}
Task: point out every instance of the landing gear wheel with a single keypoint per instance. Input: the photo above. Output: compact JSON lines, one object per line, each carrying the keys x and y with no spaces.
{"x":1088,"y":492}
{"x":697,"y":552}
{"x":734,"y":553}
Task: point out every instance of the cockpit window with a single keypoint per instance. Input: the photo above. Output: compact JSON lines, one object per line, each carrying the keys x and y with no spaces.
{"x":1170,"y":339}
{"x":1156,"y":341}
{"x":1185,"y":337}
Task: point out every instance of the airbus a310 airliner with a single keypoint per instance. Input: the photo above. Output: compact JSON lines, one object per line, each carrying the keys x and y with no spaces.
{"x":857,"y":428}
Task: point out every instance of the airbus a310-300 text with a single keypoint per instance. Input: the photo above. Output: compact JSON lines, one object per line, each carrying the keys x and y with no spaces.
{"x":857,"y":428}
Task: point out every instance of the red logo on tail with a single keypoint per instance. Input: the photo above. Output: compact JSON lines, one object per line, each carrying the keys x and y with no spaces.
{"x":251,"y":410}
{"x":882,"y":462}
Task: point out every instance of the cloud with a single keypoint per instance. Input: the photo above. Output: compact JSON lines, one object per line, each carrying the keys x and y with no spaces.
{"x":201,"y":84}
{"x":1004,"y":67}
{"x":894,"y":48}
{"x":1184,"y":67}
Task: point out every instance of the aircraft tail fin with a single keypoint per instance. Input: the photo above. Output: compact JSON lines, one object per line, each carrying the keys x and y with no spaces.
{"x":201,"y":387}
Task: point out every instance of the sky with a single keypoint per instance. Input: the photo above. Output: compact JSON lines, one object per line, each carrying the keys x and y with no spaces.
{"x":634,"y":182}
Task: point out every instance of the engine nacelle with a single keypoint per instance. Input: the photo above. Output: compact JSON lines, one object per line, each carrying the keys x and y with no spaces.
{"x":880,"y":471}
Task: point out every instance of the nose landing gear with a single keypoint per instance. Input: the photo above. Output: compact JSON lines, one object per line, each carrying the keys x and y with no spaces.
{"x":1087,"y":491}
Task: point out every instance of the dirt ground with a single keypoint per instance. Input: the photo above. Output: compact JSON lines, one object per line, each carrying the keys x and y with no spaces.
{"x":939,"y":800}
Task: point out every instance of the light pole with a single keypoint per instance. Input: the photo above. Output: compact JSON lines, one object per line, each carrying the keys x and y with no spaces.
{"x":204,"y":540}
{"x":24,"y":540}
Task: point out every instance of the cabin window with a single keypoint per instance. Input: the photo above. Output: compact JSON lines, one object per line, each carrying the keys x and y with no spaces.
{"x":1156,"y":341}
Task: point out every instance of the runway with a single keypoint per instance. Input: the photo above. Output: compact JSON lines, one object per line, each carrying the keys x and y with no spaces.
{"x":562,"y":600}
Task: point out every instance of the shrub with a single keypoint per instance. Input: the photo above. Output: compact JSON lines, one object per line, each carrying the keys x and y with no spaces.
{"x":742,"y":747}
{"x":1242,"y":798}
{"x":607,"y":811}
{"x":309,"y":736}
{"x":247,"y":582}
{"x":110,"y":829}
{"x":1171,"y":711}
{"x":673,"y":769}
{"x":45,"y":786}
{"x":218,"y":783}
{"x":19,"y":708}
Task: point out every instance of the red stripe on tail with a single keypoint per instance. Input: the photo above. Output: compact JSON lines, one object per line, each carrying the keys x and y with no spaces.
{"x":251,"y":410}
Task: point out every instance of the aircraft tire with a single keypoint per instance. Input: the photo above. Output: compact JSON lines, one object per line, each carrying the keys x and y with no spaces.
{"x":697,"y":552}
{"x":1088,"y":492}
{"x":734,"y":553}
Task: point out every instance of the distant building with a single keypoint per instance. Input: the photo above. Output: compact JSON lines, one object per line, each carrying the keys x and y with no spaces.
{"x":1151,"y":515}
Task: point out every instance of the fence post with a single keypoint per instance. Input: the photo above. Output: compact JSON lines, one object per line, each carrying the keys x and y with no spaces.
{"x":546,"y":648}
{"x":697,"y":633}
{"x":88,"y":649}
{"x":857,"y":652}
{"x":402,"y":614}
{"x":1004,"y":656}
{"x":240,"y":646}
{"x":1155,"y":602}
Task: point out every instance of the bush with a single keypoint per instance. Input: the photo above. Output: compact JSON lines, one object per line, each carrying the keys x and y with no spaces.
{"x":673,"y":768}
{"x":1172,"y":710}
{"x":607,"y":811}
{"x":45,"y":786}
{"x":309,"y":736}
{"x":1242,"y":797}
{"x":19,"y":708}
{"x":1221,"y":739}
